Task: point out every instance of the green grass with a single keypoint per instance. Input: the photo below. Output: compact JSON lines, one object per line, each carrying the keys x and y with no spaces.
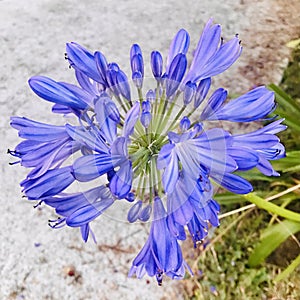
{"x":223,"y":270}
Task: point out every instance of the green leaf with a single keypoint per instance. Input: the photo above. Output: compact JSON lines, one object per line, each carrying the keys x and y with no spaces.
{"x":291,"y":163}
{"x":271,"y":238}
{"x":293,"y":265}
{"x":285,"y":100}
{"x":272,"y":208}
{"x":229,"y":198}
{"x":290,"y":120}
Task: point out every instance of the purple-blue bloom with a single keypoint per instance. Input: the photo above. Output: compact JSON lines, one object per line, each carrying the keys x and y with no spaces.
{"x":160,"y":152}
{"x":161,"y":253}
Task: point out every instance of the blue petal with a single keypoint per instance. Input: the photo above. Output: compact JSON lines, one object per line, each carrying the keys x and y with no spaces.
{"x":211,"y":58}
{"x":185,"y":124}
{"x":83,"y":60}
{"x":206,"y":48}
{"x":123,"y":85}
{"x":102,"y":65}
{"x":200,"y":191}
{"x":142,"y":261}
{"x":176,"y":73}
{"x":137,"y":63}
{"x":197,"y":229}
{"x":79,"y":92}
{"x":56,"y":92}
{"x":44,"y":156}
{"x":62,"y":109}
{"x":121,"y":182}
{"x":208,"y":149}
{"x":202,"y":90}
{"x":165,"y":247}
{"x":245,"y":158}
{"x":179,"y":205}
{"x":146,"y":119}
{"x":111,"y":76}
{"x":89,"y":167}
{"x":176,"y":229}
{"x":226,"y":55}
{"x":131,"y":118}
{"x":134,"y":211}
{"x":252,"y":106}
{"x":85,"y":82}
{"x":88,"y":138}
{"x":137,"y":78}
{"x":105,"y":117}
{"x":266,"y":168}
{"x":161,"y":253}
{"x":252,"y":141}
{"x":189,"y":159}
{"x":272,"y":128}
{"x":213,"y":104}
{"x":165,"y":156}
{"x":168,"y":160}
{"x":175,"y":137}
{"x":180,"y":44}
{"x":50,"y":183}
{"x":145,"y":213}
{"x":189,"y":92}
{"x":119,"y":151}
{"x":156,"y":64}
{"x":85,"y":230}
{"x":233,"y":183}
{"x":37,"y":131}
{"x":208,"y":43}
{"x":88,"y":213}
{"x":112,"y":111}
{"x":273,"y":153}
{"x":65,"y":204}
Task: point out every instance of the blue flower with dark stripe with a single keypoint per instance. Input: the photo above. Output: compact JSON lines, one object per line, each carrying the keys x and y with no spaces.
{"x":158,"y":149}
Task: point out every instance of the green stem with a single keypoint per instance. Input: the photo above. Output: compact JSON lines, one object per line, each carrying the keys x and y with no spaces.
{"x":140,"y":161}
{"x":292,"y":266}
{"x":156,"y":98}
{"x":151,"y":181}
{"x":158,"y":116}
{"x":144,"y":185}
{"x":176,"y":119}
{"x":140,"y":93}
{"x":138,"y":154}
{"x":121,"y":103}
{"x":141,"y":178}
{"x":272,"y":208}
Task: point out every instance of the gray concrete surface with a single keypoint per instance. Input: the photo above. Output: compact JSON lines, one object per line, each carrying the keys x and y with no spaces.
{"x":35,"y":260}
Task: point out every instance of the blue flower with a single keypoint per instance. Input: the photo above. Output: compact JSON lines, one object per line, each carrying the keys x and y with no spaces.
{"x":252,"y":106}
{"x":212,"y":56}
{"x":78,"y":210}
{"x":262,"y":143}
{"x":159,"y":152}
{"x":161,"y":253}
{"x":46,"y":146}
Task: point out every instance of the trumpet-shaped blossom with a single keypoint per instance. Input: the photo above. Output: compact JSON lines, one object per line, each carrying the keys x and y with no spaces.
{"x":160,"y":151}
{"x":161,"y":254}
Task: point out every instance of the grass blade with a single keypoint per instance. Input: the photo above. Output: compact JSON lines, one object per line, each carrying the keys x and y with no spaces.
{"x":271,"y":238}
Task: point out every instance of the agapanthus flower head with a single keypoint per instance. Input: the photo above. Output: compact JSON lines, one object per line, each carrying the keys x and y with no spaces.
{"x":158,"y":150}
